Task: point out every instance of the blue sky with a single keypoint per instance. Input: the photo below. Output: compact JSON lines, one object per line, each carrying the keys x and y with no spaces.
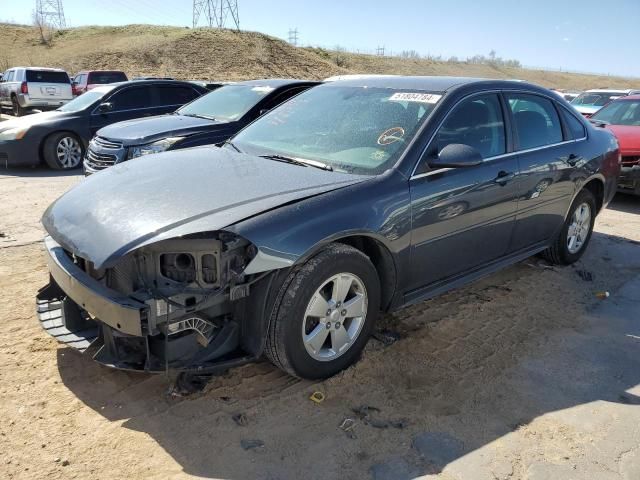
{"x":578,"y":35}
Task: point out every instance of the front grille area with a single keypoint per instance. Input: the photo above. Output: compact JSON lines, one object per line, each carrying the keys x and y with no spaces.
{"x":627,"y":161}
{"x":104,"y":143}
{"x":99,"y":161}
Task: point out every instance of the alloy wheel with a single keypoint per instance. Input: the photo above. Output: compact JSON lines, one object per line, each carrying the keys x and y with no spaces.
{"x":334,"y":317}
{"x":69,"y":152}
{"x":579,"y":228}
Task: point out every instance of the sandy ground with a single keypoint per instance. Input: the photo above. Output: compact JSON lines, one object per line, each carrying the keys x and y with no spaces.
{"x":524,"y":375}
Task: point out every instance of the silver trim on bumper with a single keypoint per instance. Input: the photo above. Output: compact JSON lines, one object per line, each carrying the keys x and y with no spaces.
{"x":108,"y":306}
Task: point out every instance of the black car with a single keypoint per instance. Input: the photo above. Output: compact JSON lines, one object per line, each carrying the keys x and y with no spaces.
{"x":354,"y":197}
{"x":208,"y":120}
{"x":60,"y":137}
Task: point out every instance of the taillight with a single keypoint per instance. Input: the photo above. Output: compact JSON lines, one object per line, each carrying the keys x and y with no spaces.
{"x":24,"y":88}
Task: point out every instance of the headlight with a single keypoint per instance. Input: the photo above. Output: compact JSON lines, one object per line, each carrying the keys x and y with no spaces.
{"x":155,"y":147}
{"x":15,"y":133}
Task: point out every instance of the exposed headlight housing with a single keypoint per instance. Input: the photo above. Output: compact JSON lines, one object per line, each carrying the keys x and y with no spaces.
{"x":15,"y":133}
{"x":155,"y":147}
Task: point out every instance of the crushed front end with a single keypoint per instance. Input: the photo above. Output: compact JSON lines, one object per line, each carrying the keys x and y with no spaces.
{"x":172,"y":305}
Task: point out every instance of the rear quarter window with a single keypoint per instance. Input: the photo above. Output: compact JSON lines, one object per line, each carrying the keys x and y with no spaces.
{"x":576,"y":128}
{"x":44,"y":76}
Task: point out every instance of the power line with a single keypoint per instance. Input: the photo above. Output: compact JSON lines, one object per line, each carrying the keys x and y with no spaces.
{"x":216,"y":12}
{"x":293,"y":36}
{"x":50,"y":12}
{"x":380,"y":51}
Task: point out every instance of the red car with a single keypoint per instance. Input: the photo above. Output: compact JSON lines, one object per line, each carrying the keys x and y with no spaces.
{"x":622,"y":117}
{"x":88,"y":79}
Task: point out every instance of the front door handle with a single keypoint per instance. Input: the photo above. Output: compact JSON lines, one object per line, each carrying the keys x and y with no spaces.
{"x":572,"y":159}
{"x":504,"y":177}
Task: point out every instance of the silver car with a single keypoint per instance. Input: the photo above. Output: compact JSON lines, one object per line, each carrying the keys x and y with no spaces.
{"x":24,"y":88}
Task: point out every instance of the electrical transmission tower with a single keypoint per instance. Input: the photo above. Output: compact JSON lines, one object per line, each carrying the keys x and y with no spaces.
{"x":380,"y":51}
{"x":293,"y":36}
{"x":50,"y":12}
{"x":216,"y":12}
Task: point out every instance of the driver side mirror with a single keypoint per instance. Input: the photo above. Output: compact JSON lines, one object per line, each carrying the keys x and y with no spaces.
{"x":105,"y":107}
{"x":456,"y":155}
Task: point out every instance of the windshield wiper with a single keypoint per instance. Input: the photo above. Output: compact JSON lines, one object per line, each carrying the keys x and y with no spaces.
{"x":206,"y":117}
{"x":304,"y":162}
{"x":232,"y":145}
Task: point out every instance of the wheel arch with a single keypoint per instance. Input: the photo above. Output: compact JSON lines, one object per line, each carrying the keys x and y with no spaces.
{"x":44,"y":139}
{"x":596,"y":187}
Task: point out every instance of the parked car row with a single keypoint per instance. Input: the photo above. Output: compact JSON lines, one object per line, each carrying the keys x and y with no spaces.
{"x":335,"y":202}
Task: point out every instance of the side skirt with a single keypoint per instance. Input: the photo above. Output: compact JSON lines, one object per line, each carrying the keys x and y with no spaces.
{"x":443,"y":286}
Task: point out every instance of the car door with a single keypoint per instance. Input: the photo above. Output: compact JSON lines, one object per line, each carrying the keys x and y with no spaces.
{"x":126,"y":103}
{"x":5,"y":98}
{"x":464,"y":217}
{"x":547,"y":156}
{"x":168,"y":98}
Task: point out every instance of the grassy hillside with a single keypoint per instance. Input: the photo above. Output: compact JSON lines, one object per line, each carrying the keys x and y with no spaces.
{"x":229,"y":55}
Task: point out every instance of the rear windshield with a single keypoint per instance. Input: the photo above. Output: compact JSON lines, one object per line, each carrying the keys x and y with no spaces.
{"x":106,"y":77}
{"x":46,"y":76}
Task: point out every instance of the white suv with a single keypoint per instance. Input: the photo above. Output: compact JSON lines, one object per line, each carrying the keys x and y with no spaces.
{"x":24,"y":88}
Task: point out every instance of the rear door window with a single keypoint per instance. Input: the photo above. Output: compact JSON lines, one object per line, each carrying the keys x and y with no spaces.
{"x":131,"y":98}
{"x":477,"y":122}
{"x":10,"y":76}
{"x":576,"y":128}
{"x":46,"y":76}
{"x":535,"y":120}
{"x":166,"y":95}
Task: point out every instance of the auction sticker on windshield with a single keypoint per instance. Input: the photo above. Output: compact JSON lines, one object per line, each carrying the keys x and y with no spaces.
{"x":415,"y":97}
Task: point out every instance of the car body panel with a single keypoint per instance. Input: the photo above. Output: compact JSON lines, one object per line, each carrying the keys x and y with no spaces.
{"x":132,"y":205}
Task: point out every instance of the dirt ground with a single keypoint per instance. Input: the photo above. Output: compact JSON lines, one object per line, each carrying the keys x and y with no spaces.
{"x":524,"y":375}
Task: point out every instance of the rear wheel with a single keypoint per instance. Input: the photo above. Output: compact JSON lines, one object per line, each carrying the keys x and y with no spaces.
{"x":16,"y":109}
{"x":576,"y":231}
{"x":63,"y":151}
{"x":324,"y":313}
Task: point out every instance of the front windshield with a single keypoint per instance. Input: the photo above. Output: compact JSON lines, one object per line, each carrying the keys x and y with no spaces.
{"x":83,"y":101}
{"x":227,"y":103}
{"x":353,"y":129}
{"x":623,"y":112}
{"x":596,"y":99}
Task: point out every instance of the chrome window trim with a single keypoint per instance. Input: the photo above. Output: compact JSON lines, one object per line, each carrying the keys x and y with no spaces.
{"x":504,"y":155}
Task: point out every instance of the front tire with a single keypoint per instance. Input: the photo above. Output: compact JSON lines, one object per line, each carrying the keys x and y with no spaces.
{"x":576,"y":231}
{"x":63,"y":151}
{"x":324,"y":313}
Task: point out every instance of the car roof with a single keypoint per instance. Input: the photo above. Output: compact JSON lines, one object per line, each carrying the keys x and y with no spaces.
{"x":629,"y":97}
{"x":277,"y":82}
{"x":152,"y":82}
{"x":625,"y":91}
{"x":48,"y":69}
{"x":427,"y":83}
{"x":99,"y":71}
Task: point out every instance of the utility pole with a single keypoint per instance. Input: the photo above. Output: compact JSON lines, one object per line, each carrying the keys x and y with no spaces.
{"x":51,"y":13}
{"x":380,"y":51}
{"x":216,"y":13}
{"x":293,"y":37}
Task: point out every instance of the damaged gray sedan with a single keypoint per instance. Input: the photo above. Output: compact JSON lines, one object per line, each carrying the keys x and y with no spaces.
{"x":355,"y":197}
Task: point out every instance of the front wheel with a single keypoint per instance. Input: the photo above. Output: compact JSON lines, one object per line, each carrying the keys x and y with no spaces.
{"x":324,"y":313}
{"x":63,"y":151}
{"x":576,"y":231}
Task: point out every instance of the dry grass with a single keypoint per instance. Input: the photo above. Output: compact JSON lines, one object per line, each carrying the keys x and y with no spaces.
{"x":228,"y":55}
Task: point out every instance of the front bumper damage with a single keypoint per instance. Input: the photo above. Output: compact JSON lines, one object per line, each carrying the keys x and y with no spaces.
{"x":127,"y":333}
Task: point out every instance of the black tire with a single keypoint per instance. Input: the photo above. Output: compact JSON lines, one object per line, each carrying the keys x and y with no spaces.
{"x":558,"y":253}
{"x":16,"y":109}
{"x":284,"y":346}
{"x":50,"y":147}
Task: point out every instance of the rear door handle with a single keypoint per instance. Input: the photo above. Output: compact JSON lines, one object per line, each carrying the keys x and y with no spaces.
{"x":504,"y":177}
{"x":572,"y":159}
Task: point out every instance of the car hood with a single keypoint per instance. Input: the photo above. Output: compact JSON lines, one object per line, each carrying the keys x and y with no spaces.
{"x":144,"y":130}
{"x":628,"y":137}
{"x":172,"y":194}
{"x":33,"y":119}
